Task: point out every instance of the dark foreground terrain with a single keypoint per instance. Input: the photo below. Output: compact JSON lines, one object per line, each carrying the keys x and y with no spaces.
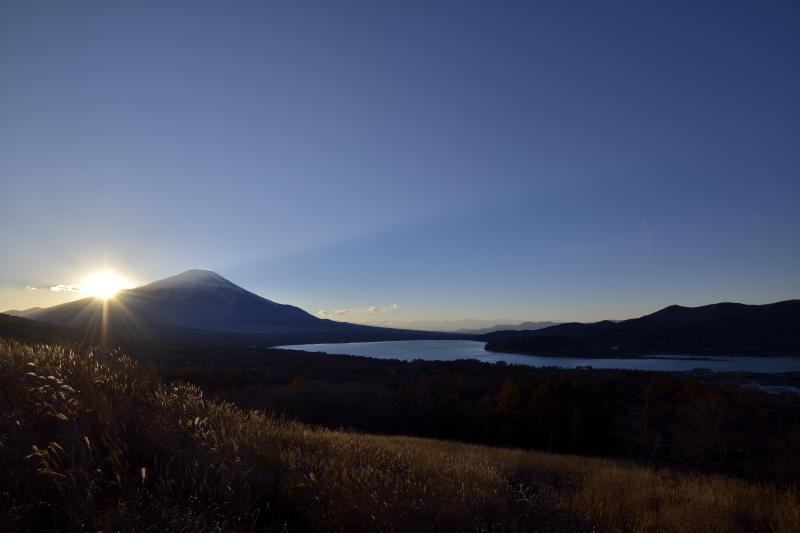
{"x":92,"y":441}
{"x":716,"y":423}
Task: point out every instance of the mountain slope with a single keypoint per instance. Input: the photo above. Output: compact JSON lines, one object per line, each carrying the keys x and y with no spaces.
{"x":25,"y":329}
{"x":202,"y":306}
{"x":205,"y":300}
{"x":771,"y":329}
{"x":25,"y":313}
{"x":193,"y":299}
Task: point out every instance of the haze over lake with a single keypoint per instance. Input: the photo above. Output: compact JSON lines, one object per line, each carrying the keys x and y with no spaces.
{"x":452,"y":350}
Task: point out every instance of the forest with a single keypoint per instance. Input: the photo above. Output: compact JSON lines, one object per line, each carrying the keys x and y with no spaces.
{"x":91,"y":440}
{"x":689,"y":421}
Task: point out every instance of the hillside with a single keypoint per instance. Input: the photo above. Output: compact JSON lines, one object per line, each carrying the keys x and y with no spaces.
{"x":95,"y":442}
{"x":724,"y":328}
{"x":29,"y":330}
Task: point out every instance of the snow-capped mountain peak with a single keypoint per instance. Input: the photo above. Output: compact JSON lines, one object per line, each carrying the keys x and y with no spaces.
{"x":194,"y":279}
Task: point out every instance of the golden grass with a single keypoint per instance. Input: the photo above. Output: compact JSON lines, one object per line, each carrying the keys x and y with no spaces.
{"x":94,"y":442}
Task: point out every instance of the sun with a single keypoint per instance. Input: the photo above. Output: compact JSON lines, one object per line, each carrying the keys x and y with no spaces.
{"x":104,"y":284}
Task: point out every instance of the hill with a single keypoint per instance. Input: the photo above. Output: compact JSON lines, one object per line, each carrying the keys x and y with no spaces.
{"x":724,"y":328}
{"x":200,"y":306}
{"x":92,"y":441}
{"x":29,"y":330}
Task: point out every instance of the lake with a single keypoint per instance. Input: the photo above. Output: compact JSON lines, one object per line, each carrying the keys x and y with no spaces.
{"x":451,"y":350}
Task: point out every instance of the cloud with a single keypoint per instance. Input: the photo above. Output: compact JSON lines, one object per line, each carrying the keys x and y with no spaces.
{"x":61,"y":287}
{"x":65,"y":288}
{"x":368,"y":310}
{"x":336,"y":312}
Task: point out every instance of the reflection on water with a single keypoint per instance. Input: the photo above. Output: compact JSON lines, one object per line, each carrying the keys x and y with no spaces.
{"x":457,"y":349}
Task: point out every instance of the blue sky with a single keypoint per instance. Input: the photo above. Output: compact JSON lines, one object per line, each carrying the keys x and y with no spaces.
{"x":532,"y":160}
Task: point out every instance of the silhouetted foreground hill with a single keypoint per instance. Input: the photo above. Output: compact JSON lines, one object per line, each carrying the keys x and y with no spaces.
{"x":29,"y":330}
{"x":93,"y":442}
{"x":199,"y":306}
{"x":724,"y":328}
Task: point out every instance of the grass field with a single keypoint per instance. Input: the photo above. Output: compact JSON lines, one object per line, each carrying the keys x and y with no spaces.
{"x":96,"y":442}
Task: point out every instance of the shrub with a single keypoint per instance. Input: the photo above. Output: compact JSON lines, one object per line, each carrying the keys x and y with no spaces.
{"x":91,"y":441}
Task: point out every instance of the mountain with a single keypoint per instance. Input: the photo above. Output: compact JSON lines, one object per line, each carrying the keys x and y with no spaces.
{"x":23,"y":313}
{"x":529,"y":326}
{"x":202,"y":306}
{"x":198,"y":299}
{"x":724,"y":328}
{"x":205,"y":300}
{"x":25,"y":329}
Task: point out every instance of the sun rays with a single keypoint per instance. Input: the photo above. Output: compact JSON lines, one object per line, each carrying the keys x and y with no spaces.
{"x":104,"y":284}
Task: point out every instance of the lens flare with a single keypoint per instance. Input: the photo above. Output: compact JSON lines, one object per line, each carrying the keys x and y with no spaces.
{"x":104,"y":285}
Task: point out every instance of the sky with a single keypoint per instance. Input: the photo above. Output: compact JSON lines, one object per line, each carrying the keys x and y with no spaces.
{"x":406,"y":161}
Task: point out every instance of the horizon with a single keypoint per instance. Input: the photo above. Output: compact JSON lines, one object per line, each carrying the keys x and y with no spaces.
{"x":444,"y":325}
{"x":408,"y":163}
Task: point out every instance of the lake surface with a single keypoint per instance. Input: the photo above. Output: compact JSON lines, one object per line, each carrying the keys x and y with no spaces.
{"x":458,"y":349}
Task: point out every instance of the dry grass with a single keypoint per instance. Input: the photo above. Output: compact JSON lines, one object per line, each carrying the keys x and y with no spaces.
{"x":93,"y":442}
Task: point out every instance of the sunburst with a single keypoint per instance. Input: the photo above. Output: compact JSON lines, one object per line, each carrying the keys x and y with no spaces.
{"x":104,"y":284}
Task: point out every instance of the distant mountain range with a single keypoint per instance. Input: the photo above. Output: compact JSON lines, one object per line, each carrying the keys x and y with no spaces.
{"x":724,"y":328}
{"x":202,"y":306}
{"x":467,"y":326}
{"x":530,"y":326}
